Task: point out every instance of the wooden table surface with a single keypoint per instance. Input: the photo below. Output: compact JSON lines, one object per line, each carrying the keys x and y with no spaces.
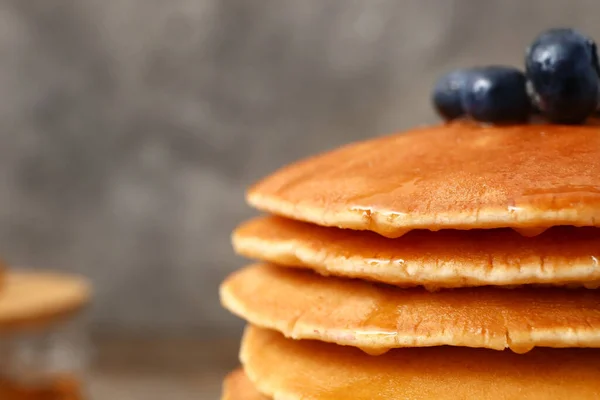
{"x":175,"y":369}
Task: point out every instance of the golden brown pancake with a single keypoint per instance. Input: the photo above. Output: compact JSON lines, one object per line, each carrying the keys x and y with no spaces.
{"x":376,"y":318}
{"x":29,"y":299}
{"x":449,"y":258}
{"x":237,"y":386}
{"x":288,"y":369}
{"x":460,"y":176}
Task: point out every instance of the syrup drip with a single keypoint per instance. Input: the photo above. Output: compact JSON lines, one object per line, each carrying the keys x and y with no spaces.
{"x":530,"y":232}
{"x":373,"y":351}
{"x":381,"y":221}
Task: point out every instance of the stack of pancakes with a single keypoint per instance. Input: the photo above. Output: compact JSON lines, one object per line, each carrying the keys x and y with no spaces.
{"x":452,"y":262}
{"x":41,"y":352}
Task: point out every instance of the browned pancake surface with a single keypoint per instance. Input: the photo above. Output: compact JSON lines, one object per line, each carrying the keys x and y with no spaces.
{"x":460,"y":175}
{"x":449,"y":258}
{"x":288,"y":369}
{"x":237,"y":386}
{"x":305,"y":305}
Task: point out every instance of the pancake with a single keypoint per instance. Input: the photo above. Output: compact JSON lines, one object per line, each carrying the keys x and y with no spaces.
{"x":460,"y":176}
{"x":288,"y":369}
{"x":3,"y":269}
{"x":30,"y":299}
{"x":449,"y":258}
{"x":376,"y":318}
{"x":237,"y":386}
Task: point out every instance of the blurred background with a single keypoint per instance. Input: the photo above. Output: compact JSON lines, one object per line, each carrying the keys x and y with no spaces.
{"x":130,"y":128}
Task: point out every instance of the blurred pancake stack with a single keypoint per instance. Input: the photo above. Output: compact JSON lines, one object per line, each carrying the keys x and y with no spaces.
{"x":458,"y":261}
{"x":42,"y":339}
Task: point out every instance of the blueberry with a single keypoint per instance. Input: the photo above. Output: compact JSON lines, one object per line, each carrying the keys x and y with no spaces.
{"x":563,"y":75}
{"x":447,"y":94}
{"x":496,"y":94}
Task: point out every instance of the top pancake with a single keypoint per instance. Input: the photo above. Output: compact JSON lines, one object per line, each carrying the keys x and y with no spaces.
{"x":458,"y":176}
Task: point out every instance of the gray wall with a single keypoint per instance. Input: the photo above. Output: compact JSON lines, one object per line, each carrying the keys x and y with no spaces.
{"x":129,"y":128}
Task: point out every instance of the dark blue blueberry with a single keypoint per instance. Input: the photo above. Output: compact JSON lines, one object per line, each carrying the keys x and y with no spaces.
{"x":447,"y":94}
{"x":496,"y":94}
{"x":562,"y":71}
